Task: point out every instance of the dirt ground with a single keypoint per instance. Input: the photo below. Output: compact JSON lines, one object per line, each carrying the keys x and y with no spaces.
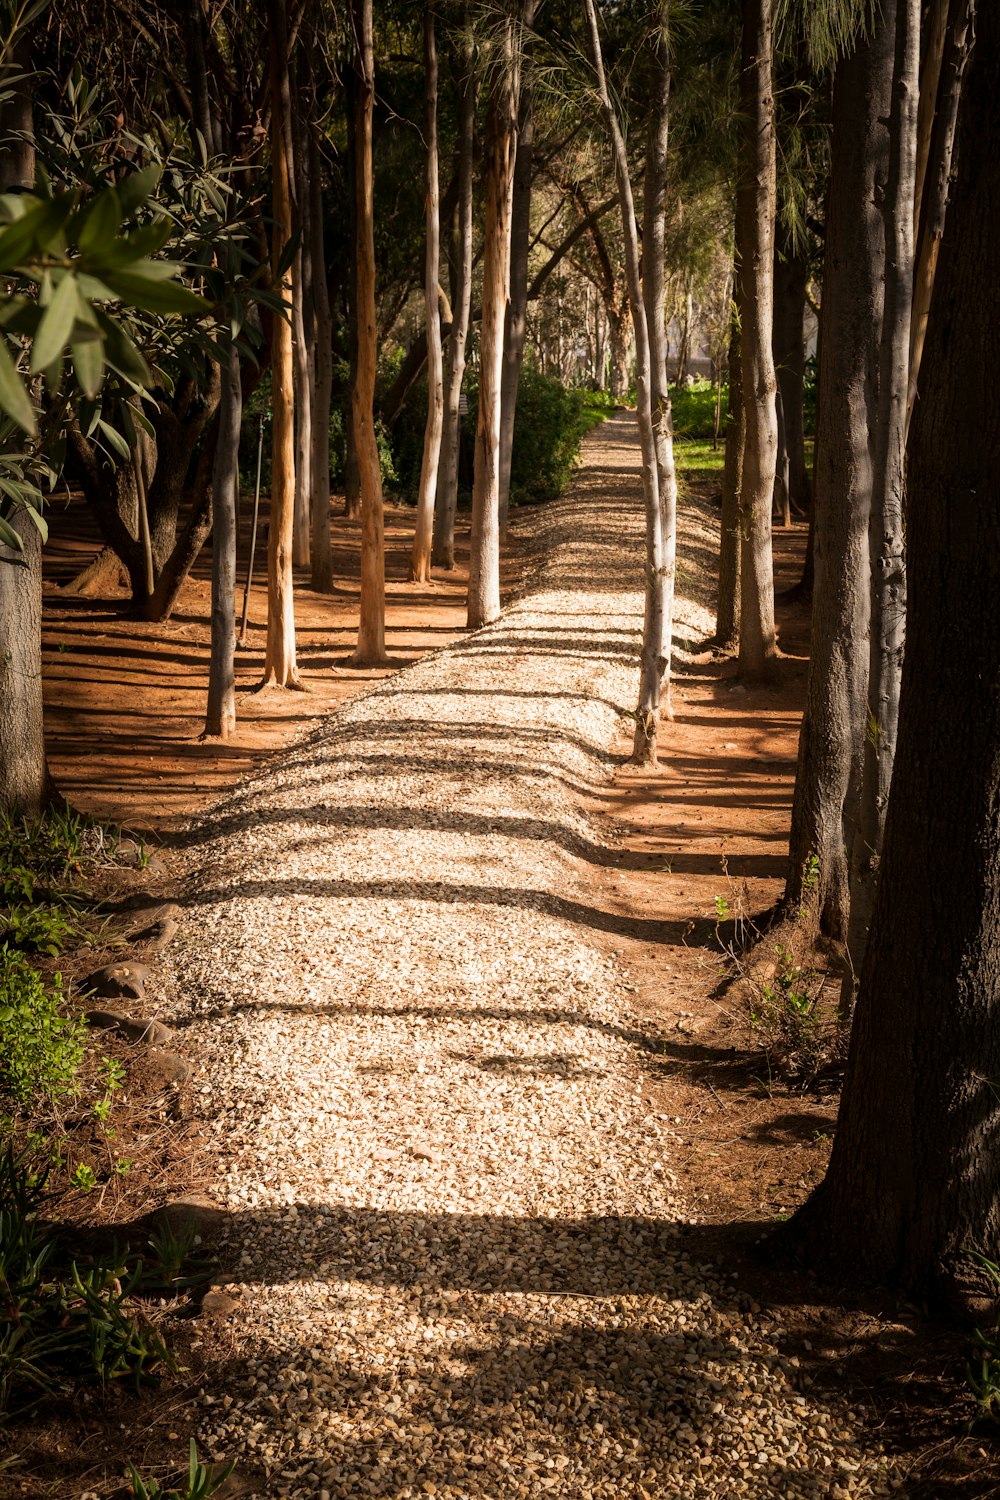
{"x":124,"y":705}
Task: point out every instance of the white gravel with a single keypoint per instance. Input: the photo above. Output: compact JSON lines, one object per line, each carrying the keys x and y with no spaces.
{"x":454,"y":1235}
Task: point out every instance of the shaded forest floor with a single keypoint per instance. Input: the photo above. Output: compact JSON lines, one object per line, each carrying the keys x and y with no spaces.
{"x":124,"y":707}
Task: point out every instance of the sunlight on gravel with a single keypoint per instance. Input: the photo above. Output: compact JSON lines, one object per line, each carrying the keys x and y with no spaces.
{"x":453,"y":1231}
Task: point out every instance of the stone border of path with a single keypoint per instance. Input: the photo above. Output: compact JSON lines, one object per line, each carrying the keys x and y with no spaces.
{"x":450,"y":1228}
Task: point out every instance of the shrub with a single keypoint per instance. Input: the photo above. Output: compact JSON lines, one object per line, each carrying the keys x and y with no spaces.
{"x":42,"y":1049}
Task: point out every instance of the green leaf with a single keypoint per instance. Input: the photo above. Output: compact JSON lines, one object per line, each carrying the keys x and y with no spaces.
{"x":120,"y":352}
{"x":116,"y":440}
{"x":133,"y":191}
{"x":37,"y":228}
{"x":155,"y":296}
{"x":39,"y":520}
{"x":13,"y":396}
{"x":88,"y":362}
{"x":56,"y":326}
{"x":102,"y":220}
{"x":9,"y":536}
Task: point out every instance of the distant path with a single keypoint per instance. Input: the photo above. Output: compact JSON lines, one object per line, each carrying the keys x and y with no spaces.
{"x":453,"y":1225}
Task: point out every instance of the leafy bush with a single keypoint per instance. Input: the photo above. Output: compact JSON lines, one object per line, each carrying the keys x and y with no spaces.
{"x":693,"y":408}
{"x":42,"y":1049}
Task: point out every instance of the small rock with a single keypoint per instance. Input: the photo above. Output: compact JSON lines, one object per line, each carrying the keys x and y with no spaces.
{"x":218,"y":1304}
{"x":423,"y":1153}
{"x":152,"y":1033}
{"x":117,"y":982}
{"x":158,"y":932}
{"x":195,"y":1210}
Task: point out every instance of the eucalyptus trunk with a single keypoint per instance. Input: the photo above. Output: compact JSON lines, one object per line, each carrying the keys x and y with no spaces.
{"x":501,"y":140}
{"x":320,"y":553}
{"x":727,"y":608}
{"x":303,"y":331}
{"x":887,"y":627}
{"x":280,"y":669}
{"x":910,"y":1195}
{"x":755,"y":212}
{"x":23,"y":773}
{"x":790,"y":277}
{"x":220,"y":719}
{"x":420,"y":560}
{"x":371,"y":624}
{"x":443,"y":547}
{"x":831,"y":741}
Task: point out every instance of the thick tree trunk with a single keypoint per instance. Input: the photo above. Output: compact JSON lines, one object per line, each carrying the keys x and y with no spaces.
{"x":887,"y":628}
{"x":23,"y":773}
{"x":661,"y":525}
{"x":727,"y":611}
{"x":517,"y":308}
{"x":220,"y":718}
{"x":790,"y":276}
{"x":620,"y":340}
{"x":320,"y":553}
{"x":371,"y":625}
{"x":501,"y":140}
{"x":280,"y":668}
{"x":936,"y":178}
{"x":910,"y":1196}
{"x":828,"y":778}
{"x":454,"y":362}
{"x":420,"y":560}
{"x":303,"y":331}
{"x":755,"y":209}
{"x":656,"y":568}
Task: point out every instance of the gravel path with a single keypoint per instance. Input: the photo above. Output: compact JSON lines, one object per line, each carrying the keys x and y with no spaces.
{"x":452,"y":1222}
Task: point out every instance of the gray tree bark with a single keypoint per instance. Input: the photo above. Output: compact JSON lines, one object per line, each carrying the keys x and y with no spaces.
{"x":220,"y":719}
{"x":727,"y":611}
{"x":420,"y":560}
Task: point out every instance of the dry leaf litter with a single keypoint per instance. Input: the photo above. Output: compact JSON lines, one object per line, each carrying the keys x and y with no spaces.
{"x":453,"y":1234}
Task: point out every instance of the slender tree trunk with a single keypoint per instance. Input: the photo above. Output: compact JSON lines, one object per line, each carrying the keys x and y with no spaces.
{"x":280,"y":668}
{"x":790,"y":276}
{"x":220,"y":719}
{"x":371,"y":624}
{"x":656,"y":558}
{"x":887,"y":629}
{"x":303,"y":333}
{"x":661,"y":526}
{"x":933,"y":200}
{"x":619,"y":324}
{"x":727,"y":612}
{"x":501,"y":140}
{"x":910,"y":1196}
{"x":831,"y":742}
{"x":420,"y":561}
{"x":454,"y":364}
{"x":516,"y":326}
{"x":755,"y":208}
{"x":23,"y":773}
{"x":321,"y":554}
{"x":352,"y":467}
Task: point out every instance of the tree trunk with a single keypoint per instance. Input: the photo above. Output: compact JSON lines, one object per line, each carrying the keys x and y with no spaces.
{"x":661,"y":525}
{"x":755,"y":207}
{"x":727,"y":611}
{"x":352,"y":468}
{"x":371,"y":625}
{"x":320,"y":553}
{"x":933,"y":200}
{"x":303,"y":329}
{"x":517,"y":308}
{"x":23,"y":773}
{"x":790,"y":276}
{"x":280,"y":668}
{"x":420,"y":560}
{"x":910,"y":1196}
{"x":619,"y":325}
{"x":454,"y":364}
{"x":220,"y":718}
{"x":656,"y":565}
{"x":501,"y":132}
{"x":887,"y":628}
{"x":828,"y":778}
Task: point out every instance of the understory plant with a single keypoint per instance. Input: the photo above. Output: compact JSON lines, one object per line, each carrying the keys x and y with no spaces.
{"x":42,"y":1048}
{"x":201,"y":1481}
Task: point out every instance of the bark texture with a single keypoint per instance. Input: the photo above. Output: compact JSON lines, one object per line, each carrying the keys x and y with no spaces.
{"x":280,"y":668}
{"x":831,"y":741}
{"x":220,"y":718}
{"x":790,"y":276}
{"x":910,"y":1193}
{"x":887,"y":624}
{"x":23,"y":774}
{"x":420,"y":559}
{"x":371,"y":624}
{"x":320,"y":552}
{"x":501,"y":139}
{"x":755,"y":211}
{"x":727,"y":612}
